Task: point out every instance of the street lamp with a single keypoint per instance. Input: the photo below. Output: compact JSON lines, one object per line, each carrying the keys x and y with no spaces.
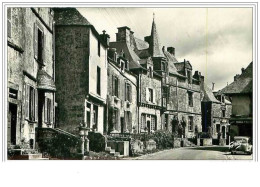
{"x":83,"y":133}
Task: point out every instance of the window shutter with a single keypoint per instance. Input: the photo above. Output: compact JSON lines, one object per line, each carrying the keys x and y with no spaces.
{"x":45,"y":109}
{"x":147,"y":94}
{"x":113,"y":93}
{"x":51,"y":108}
{"x":44,"y":48}
{"x":9,"y":23}
{"x":154,"y":96}
{"x":33,"y":104}
{"x":130,"y":121}
{"x":125,"y":121}
{"x":35,"y":41}
{"x":27,"y":95}
{"x":125,"y":92}
{"x":130,"y":93}
{"x":36,"y":104}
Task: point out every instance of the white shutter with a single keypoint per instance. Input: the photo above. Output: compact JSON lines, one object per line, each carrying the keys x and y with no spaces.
{"x":147,"y":94}
{"x":35,"y":41}
{"x":51,"y":108}
{"x":45,"y":109}
{"x":27,"y":96}
{"x":154,"y":95}
{"x":36,"y":105}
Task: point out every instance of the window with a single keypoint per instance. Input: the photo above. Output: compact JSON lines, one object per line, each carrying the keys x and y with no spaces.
{"x":48,"y":110}
{"x":143,"y":121}
{"x":98,"y":80}
{"x":95,"y":117}
{"x":98,"y":48}
{"x":88,"y":109}
{"x":126,"y":65}
{"x":38,"y":43}
{"x":128,"y":94}
{"x":128,"y":116}
{"x":153,"y":123}
{"x":190,"y":123}
{"x":116,"y":86}
{"x":189,"y":76}
{"x":150,"y":94}
{"x":165,"y":96}
{"x":9,"y":22}
{"x":166,"y":122}
{"x":150,"y":72}
{"x":115,"y":118}
{"x":223,"y":113}
{"x":122,"y":65}
{"x":31,"y":101}
{"x":190,"y":98}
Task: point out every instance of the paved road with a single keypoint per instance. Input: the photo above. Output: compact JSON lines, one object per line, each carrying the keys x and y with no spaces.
{"x":195,"y":153}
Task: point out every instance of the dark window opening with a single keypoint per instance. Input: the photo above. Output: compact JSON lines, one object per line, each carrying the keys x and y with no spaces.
{"x":190,"y":98}
{"x":31,"y":104}
{"x":95,"y":117}
{"x":223,"y":113}
{"x":128,"y":92}
{"x":116,"y":88}
{"x":40,"y":45}
{"x":190,"y":123}
{"x":98,"y":80}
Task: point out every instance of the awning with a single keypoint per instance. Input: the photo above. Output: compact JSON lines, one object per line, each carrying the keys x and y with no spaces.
{"x":45,"y":81}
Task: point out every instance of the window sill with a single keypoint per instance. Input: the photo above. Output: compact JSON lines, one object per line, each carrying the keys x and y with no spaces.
{"x":31,"y":121}
{"x":39,"y":62}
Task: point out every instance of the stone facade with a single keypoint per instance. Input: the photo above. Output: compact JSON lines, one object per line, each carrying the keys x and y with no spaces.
{"x":121,"y":95}
{"x":31,"y":89}
{"x":81,"y":68}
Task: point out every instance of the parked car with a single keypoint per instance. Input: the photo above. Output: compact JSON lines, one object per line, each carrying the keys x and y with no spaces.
{"x":241,"y":144}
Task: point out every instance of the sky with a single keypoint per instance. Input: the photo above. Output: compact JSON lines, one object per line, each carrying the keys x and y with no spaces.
{"x":216,"y":41}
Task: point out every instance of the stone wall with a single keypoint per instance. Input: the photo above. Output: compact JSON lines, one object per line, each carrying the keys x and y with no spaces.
{"x":119,"y":102}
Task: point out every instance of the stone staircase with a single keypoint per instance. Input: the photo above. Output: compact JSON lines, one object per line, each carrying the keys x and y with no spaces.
{"x":112,"y":152}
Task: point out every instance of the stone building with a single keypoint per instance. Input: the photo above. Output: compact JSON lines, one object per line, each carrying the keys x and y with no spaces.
{"x":183,"y":112}
{"x":81,"y":69}
{"x":121,"y":94}
{"x":30,"y":75}
{"x":168,"y":94}
{"x":240,"y":93}
{"x":216,"y":112}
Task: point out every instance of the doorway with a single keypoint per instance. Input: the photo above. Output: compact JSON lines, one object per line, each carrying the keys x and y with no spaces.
{"x":122,"y":124}
{"x":149,"y":126}
{"x":223,"y":132}
{"x":12,"y":121}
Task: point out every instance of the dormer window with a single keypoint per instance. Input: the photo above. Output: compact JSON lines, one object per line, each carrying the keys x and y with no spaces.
{"x":189,"y":76}
{"x":122,"y":65}
{"x":150,"y":72}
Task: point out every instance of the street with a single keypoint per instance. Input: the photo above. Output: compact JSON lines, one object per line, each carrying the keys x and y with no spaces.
{"x":195,"y":153}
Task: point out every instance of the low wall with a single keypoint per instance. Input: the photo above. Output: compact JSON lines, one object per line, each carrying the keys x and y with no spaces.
{"x":136,"y":146}
{"x":150,"y":145}
{"x":206,"y":141}
{"x":120,"y":146}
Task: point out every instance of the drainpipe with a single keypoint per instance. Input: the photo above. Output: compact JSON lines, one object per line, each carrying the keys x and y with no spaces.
{"x":53,"y":68}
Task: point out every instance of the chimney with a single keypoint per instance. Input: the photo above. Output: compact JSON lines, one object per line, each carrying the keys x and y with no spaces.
{"x":123,"y":34}
{"x":171,"y":50}
{"x":132,"y":39}
{"x":242,"y":70}
{"x":105,"y":37}
{"x":236,"y":76}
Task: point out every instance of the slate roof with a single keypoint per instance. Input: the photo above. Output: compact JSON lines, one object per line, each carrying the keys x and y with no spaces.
{"x":69,"y":16}
{"x":171,"y":60}
{"x":180,"y":65}
{"x":208,"y":94}
{"x":129,"y":53}
{"x":140,"y":44}
{"x":243,"y":84}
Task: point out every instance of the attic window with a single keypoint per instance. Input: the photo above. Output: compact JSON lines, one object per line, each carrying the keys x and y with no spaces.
{"x":150,"y":72}
{"x":122,"y":64}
